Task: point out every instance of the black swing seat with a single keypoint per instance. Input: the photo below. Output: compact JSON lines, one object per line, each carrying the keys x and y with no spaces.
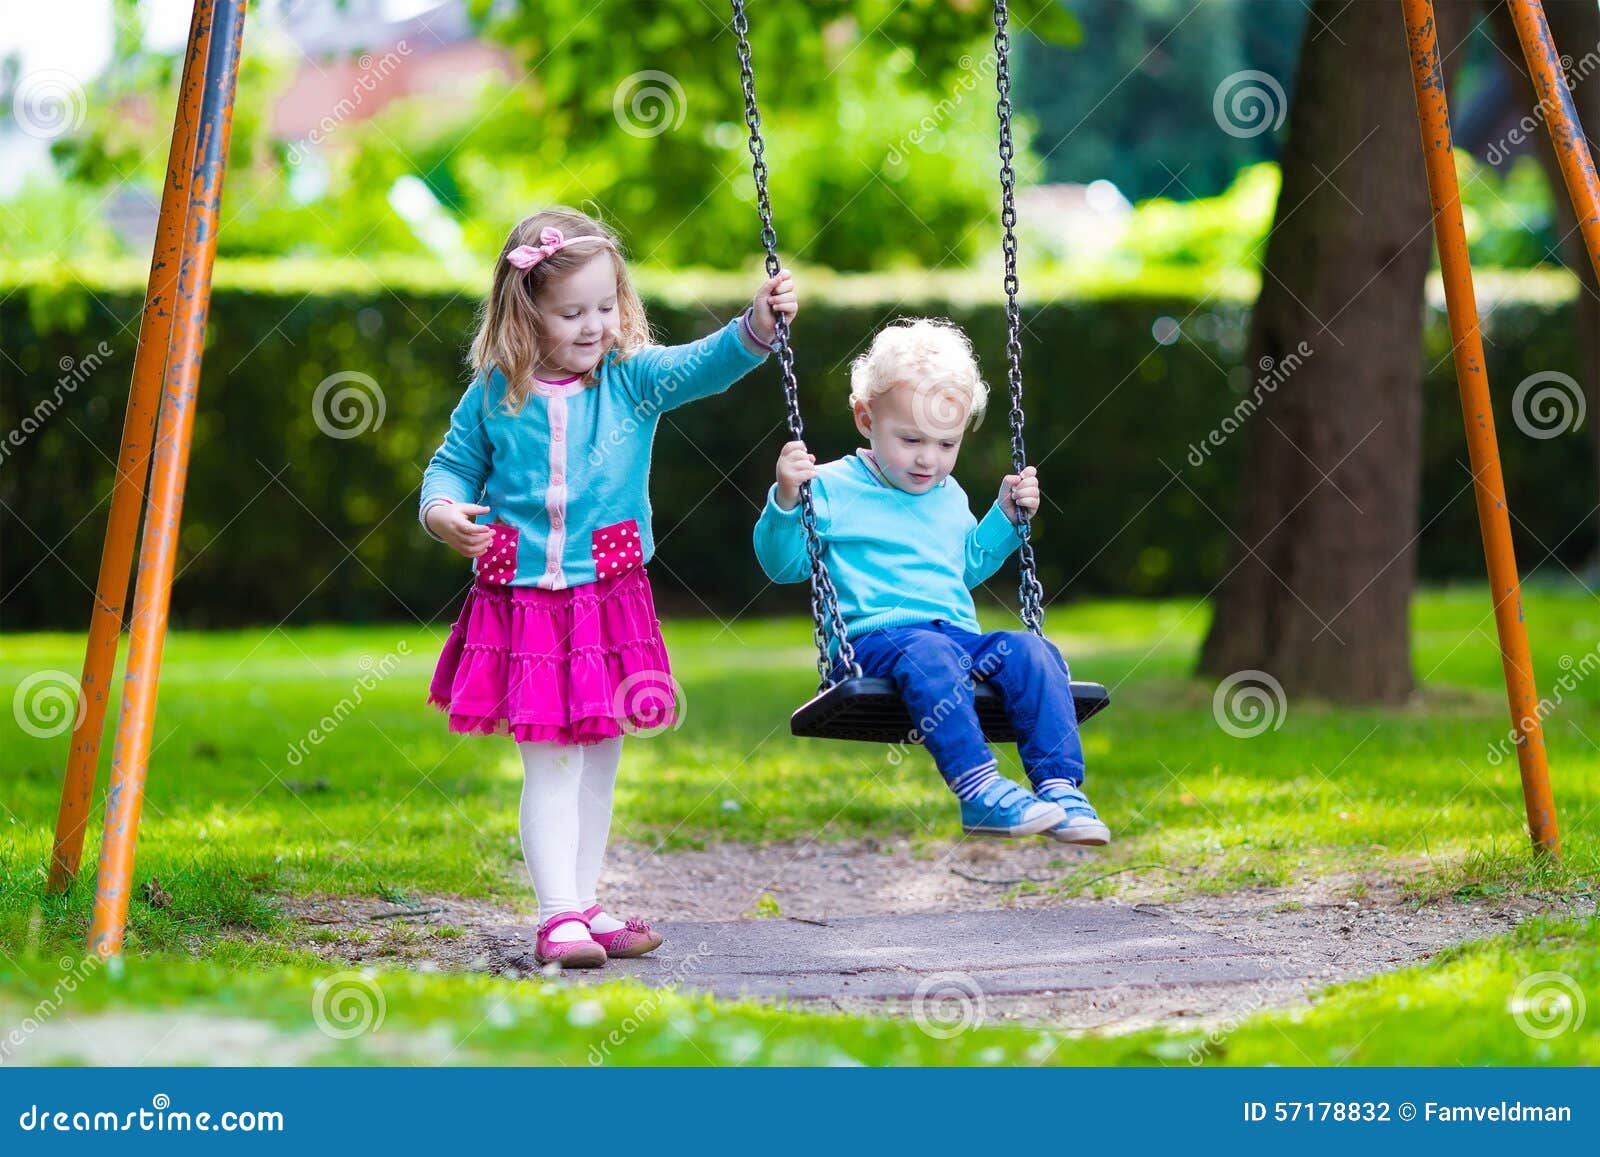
{"x":870,"y":709}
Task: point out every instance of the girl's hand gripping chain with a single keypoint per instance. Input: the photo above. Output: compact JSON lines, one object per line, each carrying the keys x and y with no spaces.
{"x":776,"y":297}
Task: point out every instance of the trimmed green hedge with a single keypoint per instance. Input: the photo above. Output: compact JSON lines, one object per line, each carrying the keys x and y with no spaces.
{"x":284,"y":523}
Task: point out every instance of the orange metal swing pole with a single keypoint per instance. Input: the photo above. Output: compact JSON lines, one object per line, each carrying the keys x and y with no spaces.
{"x":1561,"y":118}
{"x":174,"y":428}
{"x":1444,"y":191}
{"x":133,"y":465}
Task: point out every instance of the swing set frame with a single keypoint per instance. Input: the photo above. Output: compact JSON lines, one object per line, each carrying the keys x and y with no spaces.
{"x":158,"y":426}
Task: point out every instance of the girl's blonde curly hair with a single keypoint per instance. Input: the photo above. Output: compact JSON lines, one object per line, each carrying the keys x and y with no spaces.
{"x":510,"y":334}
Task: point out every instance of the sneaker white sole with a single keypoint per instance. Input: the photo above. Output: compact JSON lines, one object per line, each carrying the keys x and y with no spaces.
{"x":1088,"y":835}
{"x":1031,"y":828}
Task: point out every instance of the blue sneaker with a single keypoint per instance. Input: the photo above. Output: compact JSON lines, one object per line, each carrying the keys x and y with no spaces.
{"x":1004,"y":809}
{"x":1082,"y":825}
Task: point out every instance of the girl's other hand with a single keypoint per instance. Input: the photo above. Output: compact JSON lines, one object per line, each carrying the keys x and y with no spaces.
{"x":776,"y":297}
{"x":452,"y":521}
{"x":1020,"y":492}
{"x":796,"y":465}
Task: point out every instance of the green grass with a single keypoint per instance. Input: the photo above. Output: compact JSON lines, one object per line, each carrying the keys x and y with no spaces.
{"x":389,"y":804}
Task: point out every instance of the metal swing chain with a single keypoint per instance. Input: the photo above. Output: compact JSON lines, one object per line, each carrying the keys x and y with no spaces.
{"x":824,"y":598}
{"x":1031,"y":592}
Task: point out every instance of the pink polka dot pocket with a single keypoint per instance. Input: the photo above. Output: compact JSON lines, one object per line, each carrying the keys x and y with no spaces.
{"x":498,"y":564}
{"x":616,"y":549}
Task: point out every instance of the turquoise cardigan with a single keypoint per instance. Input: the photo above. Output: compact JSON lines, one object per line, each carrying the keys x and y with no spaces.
{"x":570,"y":473}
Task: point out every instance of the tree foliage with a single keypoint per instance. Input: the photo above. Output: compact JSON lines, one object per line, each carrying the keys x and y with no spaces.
{"x":878,"y":117}
{"x":1133,"y":103}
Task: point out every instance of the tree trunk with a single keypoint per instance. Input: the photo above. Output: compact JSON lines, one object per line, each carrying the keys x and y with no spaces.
{"x":1323,"y":563}
{"x":1575,"y":27}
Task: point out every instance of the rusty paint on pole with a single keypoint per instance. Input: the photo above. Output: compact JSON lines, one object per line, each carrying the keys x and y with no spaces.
{"x":174,"y":429}
{"x":133,"y":465}
{"x":1560,"y":116}
{"x":1444,"y":191}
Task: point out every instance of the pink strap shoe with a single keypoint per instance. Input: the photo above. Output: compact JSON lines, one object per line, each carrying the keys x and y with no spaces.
{"x":634,"y":938}
{"x":586,"y":953}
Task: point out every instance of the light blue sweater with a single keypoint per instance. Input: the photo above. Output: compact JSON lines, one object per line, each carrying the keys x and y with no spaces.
{"x":571,"y":471}
{"x":896,"y":558}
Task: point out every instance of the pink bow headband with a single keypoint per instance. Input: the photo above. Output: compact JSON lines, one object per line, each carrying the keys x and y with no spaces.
{"x":550,"y":240}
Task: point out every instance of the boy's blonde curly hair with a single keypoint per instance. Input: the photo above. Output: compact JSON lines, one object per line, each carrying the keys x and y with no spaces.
{"x":933,"y":356}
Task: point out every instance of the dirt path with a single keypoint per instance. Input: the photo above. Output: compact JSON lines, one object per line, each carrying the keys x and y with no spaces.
{"x":872,"y":927}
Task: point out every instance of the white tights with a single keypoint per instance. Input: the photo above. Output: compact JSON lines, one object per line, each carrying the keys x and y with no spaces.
{"x":565,"y":823}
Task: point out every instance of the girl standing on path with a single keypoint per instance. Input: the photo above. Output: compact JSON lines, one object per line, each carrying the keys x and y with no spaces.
{"x":542,"y":480}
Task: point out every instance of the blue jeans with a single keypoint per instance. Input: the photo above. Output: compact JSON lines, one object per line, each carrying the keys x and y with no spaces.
{"x":935,"y":666}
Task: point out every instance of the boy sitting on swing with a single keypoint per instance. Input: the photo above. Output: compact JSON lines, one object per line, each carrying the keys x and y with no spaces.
{"x":904,"y":550}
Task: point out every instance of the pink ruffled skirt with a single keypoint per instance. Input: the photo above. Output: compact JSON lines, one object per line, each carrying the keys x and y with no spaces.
{"x":571,"y":666}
